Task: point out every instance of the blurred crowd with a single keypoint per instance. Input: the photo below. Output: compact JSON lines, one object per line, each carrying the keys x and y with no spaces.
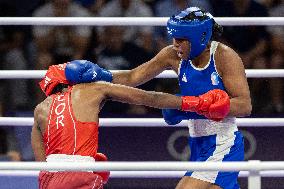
{"x":118,"y":48}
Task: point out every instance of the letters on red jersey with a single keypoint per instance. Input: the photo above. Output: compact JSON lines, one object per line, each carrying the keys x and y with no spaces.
{"x":65,"y":134}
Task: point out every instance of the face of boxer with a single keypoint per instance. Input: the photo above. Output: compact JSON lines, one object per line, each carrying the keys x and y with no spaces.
{"x":182,"y":47}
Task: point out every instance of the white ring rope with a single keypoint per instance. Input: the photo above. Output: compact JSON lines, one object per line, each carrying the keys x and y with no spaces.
{"x":141,"y":174}
{"x":37,"y":74}
{"x":252,"y":166}
{"x":148,"y":122}
{"x":132,"y":21}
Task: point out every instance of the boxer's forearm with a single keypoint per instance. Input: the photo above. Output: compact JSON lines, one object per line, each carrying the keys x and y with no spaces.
{"x":140,"y":97}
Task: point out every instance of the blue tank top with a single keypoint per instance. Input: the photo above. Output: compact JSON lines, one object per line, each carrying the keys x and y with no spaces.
{"x":197,"y":81}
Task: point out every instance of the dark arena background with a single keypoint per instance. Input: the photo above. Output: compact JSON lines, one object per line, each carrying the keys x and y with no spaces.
{"x":252,"y":30}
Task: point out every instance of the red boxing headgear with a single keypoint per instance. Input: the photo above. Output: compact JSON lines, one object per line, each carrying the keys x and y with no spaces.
{"x":54,"y":76}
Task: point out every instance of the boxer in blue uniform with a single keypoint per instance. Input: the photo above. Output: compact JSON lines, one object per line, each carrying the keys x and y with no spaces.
{"x":211,"y":75}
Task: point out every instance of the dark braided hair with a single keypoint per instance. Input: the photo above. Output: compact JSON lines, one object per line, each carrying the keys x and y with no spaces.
{"x":217,"y":31}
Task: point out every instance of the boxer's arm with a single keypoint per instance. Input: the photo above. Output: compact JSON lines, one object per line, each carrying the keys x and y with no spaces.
{"x":136,"y":96}
{"x":147,"y":71}
{"x":233,"y":75}
{"x":82,"y":71}
{"x":36,"y":139}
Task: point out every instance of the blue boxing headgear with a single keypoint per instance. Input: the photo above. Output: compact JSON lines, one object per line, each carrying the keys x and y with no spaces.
{"x":194,"y":25}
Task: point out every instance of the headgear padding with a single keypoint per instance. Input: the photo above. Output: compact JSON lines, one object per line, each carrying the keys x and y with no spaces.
{"x":54,"y":76}
{"x":195,"y":26}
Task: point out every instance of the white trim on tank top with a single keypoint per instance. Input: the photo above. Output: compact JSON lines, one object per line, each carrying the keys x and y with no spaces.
{"x":49,"y":120}
{"x":179,"y":67}
{"x":215,"y":45}
{"x":74,"y":124}
{"x":213,"y":48}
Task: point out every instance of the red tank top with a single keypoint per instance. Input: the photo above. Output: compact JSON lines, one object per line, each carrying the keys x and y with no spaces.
{"x":66,"y":135}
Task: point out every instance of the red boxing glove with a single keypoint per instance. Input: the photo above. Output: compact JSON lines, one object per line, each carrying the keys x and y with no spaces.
{"x":104,"y":175}
{"x":215,"y":104}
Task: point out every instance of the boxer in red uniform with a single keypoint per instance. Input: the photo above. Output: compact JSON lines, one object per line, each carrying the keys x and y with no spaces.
{"x":66,"y":124}
{"x":59,"y":135}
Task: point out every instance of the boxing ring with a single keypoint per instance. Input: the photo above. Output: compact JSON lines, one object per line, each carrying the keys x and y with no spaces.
{"x":253,"y":169}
